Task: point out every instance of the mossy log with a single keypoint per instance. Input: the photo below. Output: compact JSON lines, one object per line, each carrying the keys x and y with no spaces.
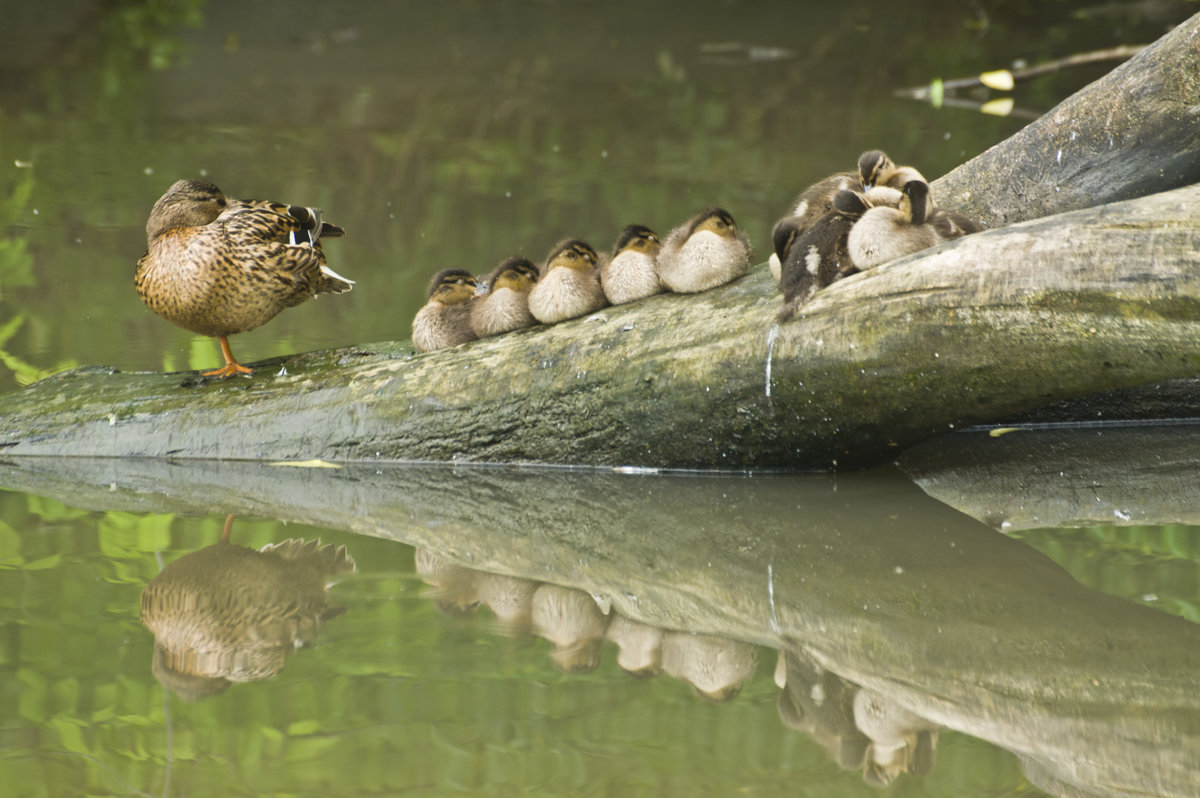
{"x":874,"y":581}
{"x":994,"y":324}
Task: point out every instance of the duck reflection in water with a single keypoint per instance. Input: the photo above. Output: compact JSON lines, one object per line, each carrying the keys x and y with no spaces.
{"x":228,"y":614}
{"x":459,"y":591}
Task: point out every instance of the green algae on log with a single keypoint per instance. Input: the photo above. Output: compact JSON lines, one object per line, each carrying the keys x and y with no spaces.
{"x":992,"y":324}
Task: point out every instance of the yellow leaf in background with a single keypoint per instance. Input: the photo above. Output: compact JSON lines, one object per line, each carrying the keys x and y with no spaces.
{"x":1000,"y":80}
{"x":998,"y":431}
{"x":1001,"y":107}
{"x":304,"y":464}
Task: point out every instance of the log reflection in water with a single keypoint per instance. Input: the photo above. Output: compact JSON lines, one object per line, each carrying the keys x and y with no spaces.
{"x":871,"y":581}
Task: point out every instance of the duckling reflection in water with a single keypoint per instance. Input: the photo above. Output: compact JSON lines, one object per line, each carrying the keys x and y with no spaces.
{"x":219,"y":266}
{"x":632,"y":271}
{"x":455,"y":587}
{"x":704,"y":252}
{"x":569,"y":285}
{"x":228,"y":614}
{"x":713,"y":666}
{"x":821,"y":704}
{"x":445,"y":319}
{"x":504,"y":307}
{"x":571,"y":620}
{"x":900,"y":740}
{"x":639,"y":647}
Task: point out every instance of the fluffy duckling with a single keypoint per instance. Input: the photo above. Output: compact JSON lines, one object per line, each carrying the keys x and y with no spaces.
{"x":703,"y":252}
{"x":885,"y":233}
{"x":218,"y":266}
{"x":227,"y":614}
{"x":569,"y":285}
{"x":820,"y":255}
{"x":876,"y":169}
{"x":445,"y":319}
{"x":632,"y":272}
{"x":504,"y":304}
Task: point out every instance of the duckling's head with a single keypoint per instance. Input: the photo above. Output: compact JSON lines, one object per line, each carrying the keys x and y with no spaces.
{"x":872,"y":164}
{"x":916,"y":202}
{"x":850,"y":204}
{"x":784,"y":234}
{"x":516,"y":273}
{"x":637,"y":238}
{"x":714,"y":220}
{"x":571,"y":254}
{"x":187,"y":203}
{"x":452,"y":287}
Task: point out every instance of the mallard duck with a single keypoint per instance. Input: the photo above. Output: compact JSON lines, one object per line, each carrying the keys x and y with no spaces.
{"x":820,"y":255}
{"x":219,"y":266}
{"x":228,"y":614}
{"x":632,"y":271}
{"x":504,"y":304}
{"x":445,"y":319}
{"x":876,"y":169}
{"x":569,"y":285}
{"x":703,"y":252}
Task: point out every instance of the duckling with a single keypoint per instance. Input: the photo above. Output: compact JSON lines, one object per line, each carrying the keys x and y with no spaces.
{"x":218,"y":266}
{"x":227,"y":614}
{"x":703,"y":252}
{"x":885,"y":233}
{"x":820,"y":255}
{"x":632,"y":272}
{"x":503,"y":305}
{"x":445,"y":319}
{"x":876,"y":169}
{"x":785,"y":231}
{"x":817,"y":200}
{"x":569,"y":285}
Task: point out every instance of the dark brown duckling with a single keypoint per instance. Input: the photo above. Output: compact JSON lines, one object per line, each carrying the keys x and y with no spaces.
{"x":218,"y":266}
{"x":569,"y":285}
{"x":228,"y":614}
{"x":445,"y":319}
{"x":505,"y":305}
{"x":875,"y":168}
{"x":632,"y":271}
{"x":820,"y":255}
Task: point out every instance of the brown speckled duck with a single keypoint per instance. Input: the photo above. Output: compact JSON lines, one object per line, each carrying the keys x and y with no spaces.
{"x":505,"y":305}
{"x":445,"y":319}
{"x":632,"y":273}
{"x":569,"y":285}
{"x":704,"y":252}
{"x":219,"y":266}
{"x":227,"y":614}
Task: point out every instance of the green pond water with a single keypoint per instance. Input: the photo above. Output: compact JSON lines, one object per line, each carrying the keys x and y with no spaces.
{"x":1023,"y":644}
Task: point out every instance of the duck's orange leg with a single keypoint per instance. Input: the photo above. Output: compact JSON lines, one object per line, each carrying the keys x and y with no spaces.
{"x":231,"y":367}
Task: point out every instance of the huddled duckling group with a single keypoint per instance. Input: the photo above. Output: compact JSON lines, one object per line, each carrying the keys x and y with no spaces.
{"x":574,"y":280}
{"x":854,"y":221}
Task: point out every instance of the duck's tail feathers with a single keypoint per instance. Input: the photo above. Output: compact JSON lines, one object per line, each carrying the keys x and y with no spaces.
{"x":339,"y":284}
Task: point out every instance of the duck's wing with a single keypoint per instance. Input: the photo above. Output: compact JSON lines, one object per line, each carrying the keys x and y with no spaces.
{"x":285,"y":241}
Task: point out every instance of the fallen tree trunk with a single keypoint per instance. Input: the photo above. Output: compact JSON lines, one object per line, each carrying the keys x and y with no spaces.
{"x":1134,"y":132}
{"x":993,"y":324}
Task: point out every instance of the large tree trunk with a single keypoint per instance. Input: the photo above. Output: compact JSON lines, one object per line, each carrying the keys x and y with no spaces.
{"x":987,"y":326}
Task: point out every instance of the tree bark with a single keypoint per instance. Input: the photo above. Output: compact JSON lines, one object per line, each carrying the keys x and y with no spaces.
{"x":987,"y":326}
{"x":1134,"y":132}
